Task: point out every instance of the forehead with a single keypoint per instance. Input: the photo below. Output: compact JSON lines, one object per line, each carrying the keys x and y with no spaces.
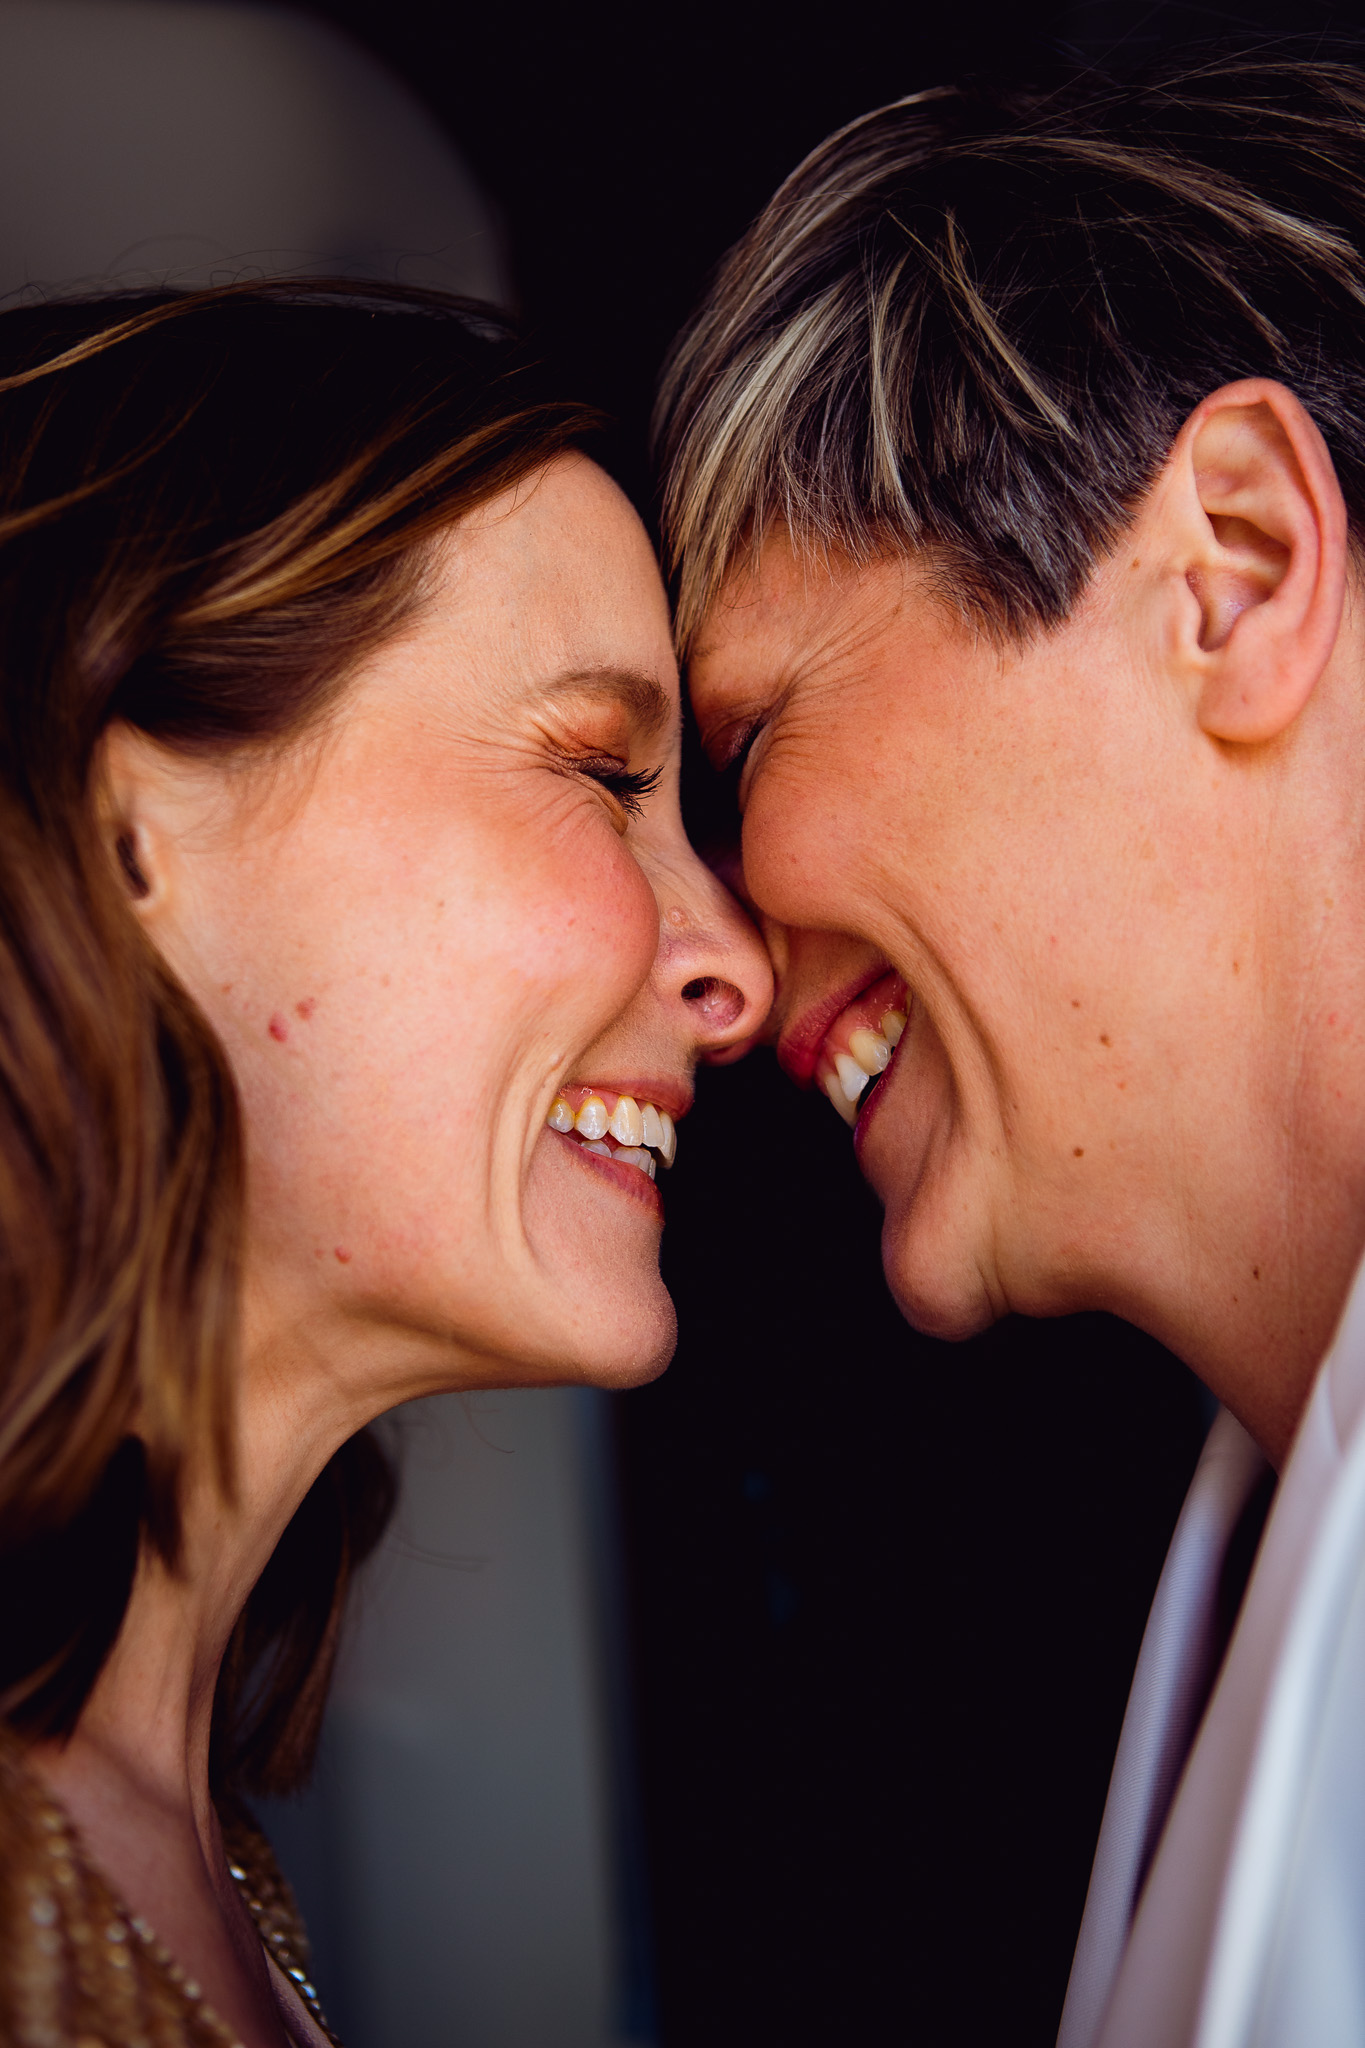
{"x":788,"y":612}
{"x":559,"y":571}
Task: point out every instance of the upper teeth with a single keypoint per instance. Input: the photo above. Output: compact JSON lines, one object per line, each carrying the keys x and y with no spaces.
{"x":638,"y":1129}
{"x":868,"y":1055}
{"x":870,"y":1050}
{"x":592,"y":1120}
{"x":853,"y":1077}
{"x":627,"y":1125}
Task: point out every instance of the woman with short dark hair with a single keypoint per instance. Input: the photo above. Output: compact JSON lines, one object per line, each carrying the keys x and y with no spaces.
{"x":1016,"y":495}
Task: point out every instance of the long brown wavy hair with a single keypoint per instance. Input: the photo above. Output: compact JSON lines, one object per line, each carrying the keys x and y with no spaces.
{"x":212,"y":505}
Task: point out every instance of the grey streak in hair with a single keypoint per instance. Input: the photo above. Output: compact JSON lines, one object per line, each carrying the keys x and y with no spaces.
{"x":971,"y":323}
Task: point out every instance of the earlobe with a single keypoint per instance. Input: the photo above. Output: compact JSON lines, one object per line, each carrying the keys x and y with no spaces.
{"x":1267,"y":557}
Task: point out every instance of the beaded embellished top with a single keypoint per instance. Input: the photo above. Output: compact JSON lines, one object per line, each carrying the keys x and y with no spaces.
{"x":78,"y":1969}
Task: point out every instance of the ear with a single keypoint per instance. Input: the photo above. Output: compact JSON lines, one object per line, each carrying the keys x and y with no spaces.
{"x":129,"y":772}
{"x":1265,"y":543}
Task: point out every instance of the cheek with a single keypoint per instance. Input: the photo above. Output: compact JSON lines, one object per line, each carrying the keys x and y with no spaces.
{"x":815,"y":837}
{"x":586,"y":935}
{"x":536,"y":955}
{"x":385,"y":1017}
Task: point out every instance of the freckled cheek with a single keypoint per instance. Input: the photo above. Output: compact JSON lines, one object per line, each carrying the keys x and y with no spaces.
{"x":802,"y":851}
{"x":597,"y":936}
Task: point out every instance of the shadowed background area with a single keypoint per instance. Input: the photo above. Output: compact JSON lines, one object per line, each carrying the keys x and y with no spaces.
{"x":774,"y":1702}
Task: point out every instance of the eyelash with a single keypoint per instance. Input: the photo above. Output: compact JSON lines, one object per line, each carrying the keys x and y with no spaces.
{"x":629,"y":786}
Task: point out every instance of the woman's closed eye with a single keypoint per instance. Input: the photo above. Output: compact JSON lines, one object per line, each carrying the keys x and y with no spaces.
{"x":630,"y":787}
{"x":731,"y":755}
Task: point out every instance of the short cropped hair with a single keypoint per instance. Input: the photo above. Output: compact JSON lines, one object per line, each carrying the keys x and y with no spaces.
{"x":972,"y":323}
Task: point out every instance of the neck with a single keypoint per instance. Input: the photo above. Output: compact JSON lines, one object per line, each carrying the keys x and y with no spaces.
{"x":1271,"y":1223}
{"x":304,"y":1389}
{"x":146,"y":1724}
{"x":134,"y":1775}
{"x":142,"y":1742}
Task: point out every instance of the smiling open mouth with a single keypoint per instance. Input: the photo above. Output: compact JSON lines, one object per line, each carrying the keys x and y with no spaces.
{"x":615,"y":1127}
{"x":859,"y":1045}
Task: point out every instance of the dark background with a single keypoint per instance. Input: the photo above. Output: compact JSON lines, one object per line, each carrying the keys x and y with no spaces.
{"x":885,"y":1594}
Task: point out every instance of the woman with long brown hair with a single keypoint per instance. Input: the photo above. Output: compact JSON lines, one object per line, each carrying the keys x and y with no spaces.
{"x":339,"y":1045}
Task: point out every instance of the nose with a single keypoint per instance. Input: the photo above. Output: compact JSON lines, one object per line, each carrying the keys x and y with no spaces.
{"x":725,"y":860}
{"x":712,"y":963}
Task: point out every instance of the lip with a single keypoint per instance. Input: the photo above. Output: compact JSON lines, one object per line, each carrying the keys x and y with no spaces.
{"x":798,"y":1048}
{"x":628,"y":1179}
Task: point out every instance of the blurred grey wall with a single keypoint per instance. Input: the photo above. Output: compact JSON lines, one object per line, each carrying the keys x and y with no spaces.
{"x":145,"y":141}
{"x":465,"y":1855}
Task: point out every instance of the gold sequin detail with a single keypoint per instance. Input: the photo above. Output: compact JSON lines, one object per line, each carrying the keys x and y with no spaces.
{"x":78,"y":1970}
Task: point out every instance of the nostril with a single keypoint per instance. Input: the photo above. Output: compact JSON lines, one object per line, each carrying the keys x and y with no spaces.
{"x":719,"y":1003}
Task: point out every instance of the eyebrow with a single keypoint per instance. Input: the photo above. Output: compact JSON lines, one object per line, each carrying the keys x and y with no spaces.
{"x":642,"y":694}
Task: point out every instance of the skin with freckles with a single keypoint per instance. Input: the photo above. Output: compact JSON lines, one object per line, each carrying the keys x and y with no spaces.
{"x":1121,"y":868}
{"x":410,"y":929}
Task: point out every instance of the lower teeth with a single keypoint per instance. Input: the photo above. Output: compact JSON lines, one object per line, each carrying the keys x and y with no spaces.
{"x":629,"y":1155}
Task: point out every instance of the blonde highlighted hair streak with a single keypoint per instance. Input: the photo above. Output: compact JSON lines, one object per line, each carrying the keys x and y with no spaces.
{"x":971,"y":323}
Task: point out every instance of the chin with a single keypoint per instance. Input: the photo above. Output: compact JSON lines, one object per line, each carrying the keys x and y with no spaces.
{"x":937,"y":1290}
{"x":597,"y":1243}
{"x":631,"y":1357}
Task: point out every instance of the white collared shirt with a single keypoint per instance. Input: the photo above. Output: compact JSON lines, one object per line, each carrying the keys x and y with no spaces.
{"x":1250,"y":1928}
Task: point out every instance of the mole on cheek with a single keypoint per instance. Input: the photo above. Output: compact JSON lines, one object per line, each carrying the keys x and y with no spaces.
{"x":306,"y":1008}
{"x":278,"y":1028}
